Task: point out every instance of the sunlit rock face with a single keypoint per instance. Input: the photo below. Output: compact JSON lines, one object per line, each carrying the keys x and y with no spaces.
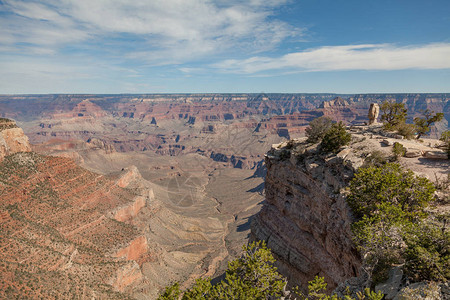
{"x":12,"y":139}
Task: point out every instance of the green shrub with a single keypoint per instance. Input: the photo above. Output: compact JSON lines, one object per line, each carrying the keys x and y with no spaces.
{"x":317,"y":129}
{"x":171,"y":292}
{"x":335,"y":138}
{"x":379,"y":239}
{"x":253,"y":276}
{"x":388,"y":183}
{"x":318,"y":286}
{"x":428,"y":253}
{"x":375,"y":159}
{"x":392,"y":228}
{"x":398,"y":150}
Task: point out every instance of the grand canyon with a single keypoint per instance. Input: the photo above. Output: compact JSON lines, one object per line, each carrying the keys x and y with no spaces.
{"x":117,"y":196}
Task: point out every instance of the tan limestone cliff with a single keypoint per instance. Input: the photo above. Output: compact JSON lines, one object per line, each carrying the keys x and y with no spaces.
{"x":305,"y":220}
{"x":12,"y":139}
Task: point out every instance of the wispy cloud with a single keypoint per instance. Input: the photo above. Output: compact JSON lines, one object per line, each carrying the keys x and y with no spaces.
{"x":351,"y":57}
{"x":169,"y":30}
{"x":123,"y":45}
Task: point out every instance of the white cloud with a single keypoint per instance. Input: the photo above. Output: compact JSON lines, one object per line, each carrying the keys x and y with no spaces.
{"x":173,"y":30}
{"x":352,"y":57}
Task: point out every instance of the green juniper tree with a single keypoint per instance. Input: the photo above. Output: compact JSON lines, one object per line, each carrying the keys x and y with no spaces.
{"x":335,"y":138}
{"x":423,"y":124}
{"x":317,"y":129}
{"x":253,"y":276}
{"x":392,"y":226}
{"x":393,"y":114}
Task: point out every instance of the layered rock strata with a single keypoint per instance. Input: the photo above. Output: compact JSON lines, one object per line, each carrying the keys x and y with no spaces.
{"x":305,"y":220}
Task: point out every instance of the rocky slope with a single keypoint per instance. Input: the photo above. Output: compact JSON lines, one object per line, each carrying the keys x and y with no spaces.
{"x":306,"y":221}
{"x":56,"y":222}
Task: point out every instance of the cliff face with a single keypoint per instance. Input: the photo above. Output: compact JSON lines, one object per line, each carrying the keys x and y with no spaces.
{"x":305,"y":220}
{"x":12,"y":139}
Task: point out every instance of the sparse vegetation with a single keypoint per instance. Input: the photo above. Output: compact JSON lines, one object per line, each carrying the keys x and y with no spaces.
{"x":335,"y":138}
{"x":375,"y":159}
{"x":36,"y":208}
{"x":317,"y":129}
{"x":398,"y":150}
{"x":429,"y":290}
{"x":7,"y":124}
{"x":406,"y":130}
{"x":253,"y":276}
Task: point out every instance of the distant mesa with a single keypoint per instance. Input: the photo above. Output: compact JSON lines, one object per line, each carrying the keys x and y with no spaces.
{"x":338,"y":101}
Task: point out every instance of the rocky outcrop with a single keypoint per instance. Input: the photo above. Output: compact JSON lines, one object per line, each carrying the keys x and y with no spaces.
{"x":336,"y":102}
{"x":306,"y":221}
{"x":134,"y":250}
{"x":12,"y":139}
{"x":84,"y":109}
{"x":129,"y":211}
{"x":373,"y":113}
{"x":129,"y":274}
{"x":130,"y":174}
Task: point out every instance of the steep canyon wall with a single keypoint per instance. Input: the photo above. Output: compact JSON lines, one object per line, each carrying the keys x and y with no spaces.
{"x":305,"y":220}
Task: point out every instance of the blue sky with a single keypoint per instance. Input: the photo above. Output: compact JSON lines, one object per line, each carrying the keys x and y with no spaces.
{"x":194,"y":46}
